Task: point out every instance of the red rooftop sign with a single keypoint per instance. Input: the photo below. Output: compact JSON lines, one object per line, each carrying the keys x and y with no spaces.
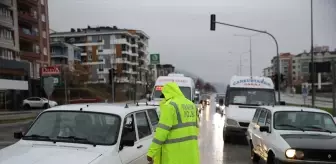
{"x":51,"y":70}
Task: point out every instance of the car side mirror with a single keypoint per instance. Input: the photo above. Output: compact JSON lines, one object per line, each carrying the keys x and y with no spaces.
{"x":264,"y":129}
{"x":127,"y":140}
{"x":18,"y":135}
{"x":282,"y":103}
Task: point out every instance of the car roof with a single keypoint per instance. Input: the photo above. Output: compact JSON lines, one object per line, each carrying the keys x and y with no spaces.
{"x":108,"y":108}
{"x":293,"y":108}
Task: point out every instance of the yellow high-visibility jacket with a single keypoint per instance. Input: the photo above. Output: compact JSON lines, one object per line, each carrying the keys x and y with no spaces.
{"x":175,"y":140}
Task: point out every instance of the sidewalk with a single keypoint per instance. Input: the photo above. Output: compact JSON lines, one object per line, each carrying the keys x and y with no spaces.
{"x":322,"y":99}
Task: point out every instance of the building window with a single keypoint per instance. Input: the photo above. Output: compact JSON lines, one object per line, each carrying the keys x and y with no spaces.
{"x":37,"y":70}
{"x":31,"y":69}
{"x":45,"y":51}
{"x":43,"y":17}
{"x":42,"y":2}
{"x":44,"y":34}
{"x":37,"y":48}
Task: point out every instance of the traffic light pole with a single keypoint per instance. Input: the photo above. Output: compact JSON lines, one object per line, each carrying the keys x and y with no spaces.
{"x":212,"y":27}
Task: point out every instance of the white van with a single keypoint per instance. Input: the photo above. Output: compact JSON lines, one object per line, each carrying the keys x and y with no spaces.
{"x":243,"y":95}
{"x":186,"y":84}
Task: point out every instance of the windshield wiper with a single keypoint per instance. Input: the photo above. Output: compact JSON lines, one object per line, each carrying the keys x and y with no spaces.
{"x":293,"y":126}
{"x":38,"y":137}
{"x":317,"y":127}
{"x":78,"y":139}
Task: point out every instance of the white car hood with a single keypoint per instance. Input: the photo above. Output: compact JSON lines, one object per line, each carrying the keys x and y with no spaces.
{"x":240,"y":114}
{"x":43,"y":154}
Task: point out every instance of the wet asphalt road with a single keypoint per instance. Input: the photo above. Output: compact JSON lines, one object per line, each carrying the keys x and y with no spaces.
{"x":213,"y":150}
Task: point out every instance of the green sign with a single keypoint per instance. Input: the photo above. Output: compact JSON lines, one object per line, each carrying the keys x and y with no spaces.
{"x":57,"y":80}
{"x":154,"y":59}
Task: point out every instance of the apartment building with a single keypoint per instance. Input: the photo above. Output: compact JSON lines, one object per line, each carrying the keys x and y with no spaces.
{"x":285,"y":66}
{"x":301,"y":64}
{"x":24,"y":47}
{"x":64,"y":54}
{"x":104,"y":48}
{"x":33,"y":27}
{"x":9,"y":37}
{"x":268,"y":71}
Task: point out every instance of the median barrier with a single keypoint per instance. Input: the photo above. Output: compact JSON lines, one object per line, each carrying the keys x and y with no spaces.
{"x":13,"y":117}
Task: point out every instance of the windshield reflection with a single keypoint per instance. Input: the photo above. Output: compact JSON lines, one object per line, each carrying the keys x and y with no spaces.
{"x":77,"y":127}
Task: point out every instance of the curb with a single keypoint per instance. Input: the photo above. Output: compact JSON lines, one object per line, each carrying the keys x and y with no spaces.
{"x":17,"y":120}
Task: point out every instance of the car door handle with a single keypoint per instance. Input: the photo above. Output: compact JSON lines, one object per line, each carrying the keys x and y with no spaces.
{"x":140,"y":146}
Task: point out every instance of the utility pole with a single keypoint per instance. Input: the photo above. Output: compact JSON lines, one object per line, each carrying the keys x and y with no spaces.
{"x":333,"y":71}
{"x":250,"y":39}
{"x":312,"y":75}
{"x":251,"y":56}
{"x":240,"y":64}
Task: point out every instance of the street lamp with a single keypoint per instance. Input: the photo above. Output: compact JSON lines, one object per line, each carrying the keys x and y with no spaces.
{"x":213,"y":28}
{"x":240,"y":61}
{"x":250,"y":37}
{"x":312,"y":75}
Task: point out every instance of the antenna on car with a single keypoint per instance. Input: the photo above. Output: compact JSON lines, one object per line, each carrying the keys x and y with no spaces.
{"x":126,"y":106}
{"x":146,"y":103}
{"x":87,"y":105}
{"x":137,"y":104}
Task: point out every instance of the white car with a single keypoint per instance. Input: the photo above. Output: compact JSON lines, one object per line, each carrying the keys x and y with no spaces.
{"x":287,"y":134}
{"x":38,"y":102}
{"x":83,"y":134}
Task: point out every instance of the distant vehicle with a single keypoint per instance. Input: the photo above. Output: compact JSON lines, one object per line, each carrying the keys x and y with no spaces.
{"x":288,"y":134}
{"x":243,"y":95}
{"x":81,"y":134}
{"x":205,"y":99}
{"x":38,"y":102}
{"x":220,"y":105}
{"x":186,"y":84}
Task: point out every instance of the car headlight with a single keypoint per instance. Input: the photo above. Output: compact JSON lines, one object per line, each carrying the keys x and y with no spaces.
{"x":217,"y":105}
{"x":291,"y":153}
{"x":231,"y":122}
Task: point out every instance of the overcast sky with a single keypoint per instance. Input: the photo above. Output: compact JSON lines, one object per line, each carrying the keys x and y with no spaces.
{"x":179,"y":29}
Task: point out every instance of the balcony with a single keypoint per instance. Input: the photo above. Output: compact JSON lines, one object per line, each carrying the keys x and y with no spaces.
{"x":28,"y":35}
{"x":6,"y":2}
{"x":6,"y":21}
{"x":27,"y":17}
{"x":28,"y":2}
{"x":7,"y":43}
{"x":59,"y":55}
{"x":120,"y":41}
{"x":121,"y":80}
{"x":29,"y":55}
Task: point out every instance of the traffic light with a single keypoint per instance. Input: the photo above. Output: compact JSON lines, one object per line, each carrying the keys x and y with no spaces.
{"x":213,"y":22}
{"x":111,"y":75}
{"x":275,"y":81}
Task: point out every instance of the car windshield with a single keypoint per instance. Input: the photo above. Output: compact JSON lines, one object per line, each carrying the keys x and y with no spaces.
{"x":302,"y":120}
{"x":251,"y":96}
{"x":185,"y":90}
{"x":64,"y":126}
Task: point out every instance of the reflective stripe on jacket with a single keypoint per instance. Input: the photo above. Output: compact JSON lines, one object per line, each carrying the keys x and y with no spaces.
{"x":175,"y":140}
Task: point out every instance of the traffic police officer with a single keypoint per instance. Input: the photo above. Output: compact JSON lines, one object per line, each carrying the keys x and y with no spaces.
{"x":175,"y":140}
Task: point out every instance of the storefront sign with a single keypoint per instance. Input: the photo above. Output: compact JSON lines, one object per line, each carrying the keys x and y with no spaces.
{"x":51,"y":70}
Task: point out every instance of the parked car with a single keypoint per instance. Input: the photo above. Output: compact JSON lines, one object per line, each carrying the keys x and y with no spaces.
{"x":38,"y":102}
{"x":287,"y":134}
{"x":86,"y":133}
